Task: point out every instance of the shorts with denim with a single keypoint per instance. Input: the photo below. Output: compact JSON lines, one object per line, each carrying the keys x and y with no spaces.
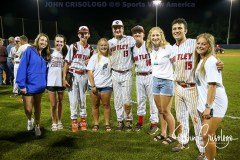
{"x":162,"y":87}
{"x":103,"y":90}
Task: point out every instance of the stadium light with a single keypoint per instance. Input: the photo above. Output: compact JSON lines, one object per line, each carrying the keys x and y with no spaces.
{"x":229,"y":22}
{"x":39,"y":23}
{"x":156,"y":3}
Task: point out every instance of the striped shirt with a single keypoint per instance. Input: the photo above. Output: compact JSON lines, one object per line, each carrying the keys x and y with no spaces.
{"x":183,"y":61}
{"x":142,"y":59}
{"x":121,"y":54}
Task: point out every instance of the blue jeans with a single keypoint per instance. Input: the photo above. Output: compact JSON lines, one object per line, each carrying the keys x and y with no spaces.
{"x":162,"y":87}
{"x":4,"y":67}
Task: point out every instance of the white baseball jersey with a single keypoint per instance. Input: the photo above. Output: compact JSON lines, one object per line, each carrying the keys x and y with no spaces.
{"x":77,"y":60}
{"x":212,"y":75}
{"x":55,"y":69}
{"x":142,"y":59}
{"x":183,"y":61}
{"x":101,"y":71}
{"x":121,"y":56}
{"x":161,"y":64}
{"x":20,"y":50}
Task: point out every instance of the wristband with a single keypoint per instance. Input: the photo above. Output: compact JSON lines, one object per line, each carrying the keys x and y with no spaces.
{"x":208,"y":106}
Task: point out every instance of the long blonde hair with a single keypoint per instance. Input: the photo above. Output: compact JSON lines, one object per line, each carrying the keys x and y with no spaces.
{"x":211,"y":51}
{"x":45,"y":51}
{"x":98,"y":48}
{"x":163,"y":42}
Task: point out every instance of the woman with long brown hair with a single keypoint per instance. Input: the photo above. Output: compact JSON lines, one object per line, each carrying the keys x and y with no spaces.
{"x":32,"y":79}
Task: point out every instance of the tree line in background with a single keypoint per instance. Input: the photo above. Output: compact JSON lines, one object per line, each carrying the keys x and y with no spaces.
{"x":67,"y":27}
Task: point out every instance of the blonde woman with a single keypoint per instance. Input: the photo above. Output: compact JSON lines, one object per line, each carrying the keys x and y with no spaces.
{"x":162,"y":71}
{"x":212,"y":98}
{"x":100,"y":81}
{"x":31,"y":78}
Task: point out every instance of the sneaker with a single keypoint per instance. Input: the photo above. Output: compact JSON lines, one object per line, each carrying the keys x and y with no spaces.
{"x":30,"y":124}
{"x":201,"y":156}
{"x":153,"y":129}
{"x":180,"y":147}
{"x":138,"y":127}
{"x":74,"y":125}
{"x":120,"y":126}
{"x":59,"y":125}
{"x":83,"y":125}
{"x":54,"y":127}
{"x":37,"y":131}
{"x":128,"y":126}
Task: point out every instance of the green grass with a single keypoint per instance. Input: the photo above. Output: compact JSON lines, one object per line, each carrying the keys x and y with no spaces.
{"x":16,"y":142}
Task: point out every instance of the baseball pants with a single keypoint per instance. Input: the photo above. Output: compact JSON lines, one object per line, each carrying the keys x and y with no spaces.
{"x":144,"y":90}
{"x":77,"y":96}
{"x":186,"y":101}
{"x":122,"y":88}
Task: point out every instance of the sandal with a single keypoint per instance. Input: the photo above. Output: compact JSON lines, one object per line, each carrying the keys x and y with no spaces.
{"x":159,"y":138}
{"x":169,"y":140}
{"x":95,"y":128}
{"x":108,"y":128}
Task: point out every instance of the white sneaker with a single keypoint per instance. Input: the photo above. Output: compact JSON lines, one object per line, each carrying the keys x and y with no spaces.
{"x":37,"y":131}
{"x":30,"y":124}
{"x":59,"y":125}
{"x":54,"y":127}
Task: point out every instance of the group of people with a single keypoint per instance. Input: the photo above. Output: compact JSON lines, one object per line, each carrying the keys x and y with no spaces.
{"x":188,"y":70}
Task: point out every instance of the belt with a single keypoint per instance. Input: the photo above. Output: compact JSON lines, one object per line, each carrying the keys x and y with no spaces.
{"x":186,"y":85}
{"x":80,"y":72}
{"x":143,"y":73}
{"x":16,"y":62}
{"x":120,"y":71}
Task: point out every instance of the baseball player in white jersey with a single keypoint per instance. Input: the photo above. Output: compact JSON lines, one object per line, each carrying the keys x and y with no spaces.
{"x":121,"y":57}
{"x":143,"y":80}
{"x":186,"y":97}
{"x":77,"y":59}
{"x":15,"y":59}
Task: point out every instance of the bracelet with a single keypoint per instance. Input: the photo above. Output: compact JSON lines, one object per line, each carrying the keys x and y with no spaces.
{"x":208,"y":106}
{"x":93,"y":86}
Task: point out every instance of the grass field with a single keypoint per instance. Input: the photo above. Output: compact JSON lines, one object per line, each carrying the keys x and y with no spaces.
{"x":17,"y":143}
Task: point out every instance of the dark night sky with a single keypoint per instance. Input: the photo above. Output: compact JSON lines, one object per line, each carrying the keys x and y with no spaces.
{"x":100,"y":18}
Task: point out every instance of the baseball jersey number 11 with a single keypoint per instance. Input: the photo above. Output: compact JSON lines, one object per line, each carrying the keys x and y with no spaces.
{"x":188,"y":65}
{"x":125,"y":53}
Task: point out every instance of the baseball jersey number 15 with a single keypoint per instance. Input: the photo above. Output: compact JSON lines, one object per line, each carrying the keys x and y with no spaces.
{"x":188,"y":65}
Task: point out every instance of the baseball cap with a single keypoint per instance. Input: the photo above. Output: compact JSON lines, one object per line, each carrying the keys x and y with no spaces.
{"x":83,"y":29}
{"x":17,"y":38}
{"x":117,"y":23}
{"x":137,"y":28}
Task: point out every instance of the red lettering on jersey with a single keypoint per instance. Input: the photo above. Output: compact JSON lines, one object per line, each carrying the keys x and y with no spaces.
{"x":186,"y":56}
{"x":136,"y":58}
{"x":119,"y":47}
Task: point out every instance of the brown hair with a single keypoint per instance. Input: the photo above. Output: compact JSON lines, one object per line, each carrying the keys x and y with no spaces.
{"x":46,"y":50}
{"x":180,"y":21}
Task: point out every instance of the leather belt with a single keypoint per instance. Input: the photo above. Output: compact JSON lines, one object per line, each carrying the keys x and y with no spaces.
{"x":186,"y":85}
{"x":143,"y":73}
{"x":80,"y":72}
{"x":16,"y":62}
{"x":120,"y":71}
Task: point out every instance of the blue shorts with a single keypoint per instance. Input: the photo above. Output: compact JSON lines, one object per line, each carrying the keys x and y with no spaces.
{"x":162,"y":87}
{"x":103,"y":90}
